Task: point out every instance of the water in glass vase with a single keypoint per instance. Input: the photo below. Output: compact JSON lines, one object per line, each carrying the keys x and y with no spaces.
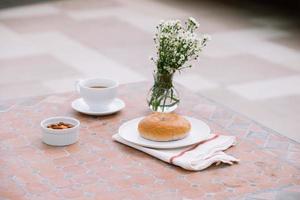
{"x":163,"y":97}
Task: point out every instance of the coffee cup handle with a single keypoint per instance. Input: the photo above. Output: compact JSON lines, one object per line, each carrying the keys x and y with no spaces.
{"x":77,"y":85}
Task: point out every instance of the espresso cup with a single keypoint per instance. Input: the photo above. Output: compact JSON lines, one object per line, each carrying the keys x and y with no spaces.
{"x":97,"y":93}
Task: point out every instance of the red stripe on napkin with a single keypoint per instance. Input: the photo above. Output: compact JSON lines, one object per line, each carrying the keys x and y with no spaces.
{"x":192,"y":148}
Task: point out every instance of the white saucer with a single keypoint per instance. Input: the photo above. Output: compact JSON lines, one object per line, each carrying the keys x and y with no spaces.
{"x":199,"y":132}
{"x":80,"y":106}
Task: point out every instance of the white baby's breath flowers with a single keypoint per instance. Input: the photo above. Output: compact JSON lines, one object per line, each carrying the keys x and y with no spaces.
{"x":177,"y":44}
{"x":192,"y":20}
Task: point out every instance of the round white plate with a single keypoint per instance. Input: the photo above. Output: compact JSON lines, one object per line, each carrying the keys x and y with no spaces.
{"x":80,"y":106}
{"x":199,"y":131}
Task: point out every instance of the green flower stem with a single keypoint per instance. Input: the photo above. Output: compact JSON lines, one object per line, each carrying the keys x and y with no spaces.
{"x":162,"y":92}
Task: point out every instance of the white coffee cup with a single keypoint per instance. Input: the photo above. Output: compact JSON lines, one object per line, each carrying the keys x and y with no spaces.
{"x":98,"y":93}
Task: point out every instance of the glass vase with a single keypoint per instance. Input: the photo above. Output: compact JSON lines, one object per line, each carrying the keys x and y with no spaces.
{"x":163,"y":97}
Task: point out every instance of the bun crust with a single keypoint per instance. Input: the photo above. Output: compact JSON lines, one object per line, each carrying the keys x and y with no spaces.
{"x":164,"y":127}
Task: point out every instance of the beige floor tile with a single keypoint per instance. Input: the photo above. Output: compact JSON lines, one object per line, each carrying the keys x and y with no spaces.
{"x":131,"y":48}
{"x":23,"y":89}
{"x":86,"y":60}
{"x":136,"y":14}
{"x":275,"y":53}
{"x":86,"y":4}
{"x":239,"y":69}
{"x":267,"y":89}
{"x":33,"y":68}
{"x":109,"y":32}
{"x":38,"y":24}
{"x":14,"y":46}
{"x":28,"y":11}
{"x":244,"y":41}
{"x":63,"y":84}
{"x":280,"y":114}
{"x":195,"y":82}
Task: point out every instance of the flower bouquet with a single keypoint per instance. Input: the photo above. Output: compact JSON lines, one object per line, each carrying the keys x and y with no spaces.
{"x":176,"y":45}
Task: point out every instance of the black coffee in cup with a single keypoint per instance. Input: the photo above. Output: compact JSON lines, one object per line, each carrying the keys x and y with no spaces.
{"x":97,"y":87}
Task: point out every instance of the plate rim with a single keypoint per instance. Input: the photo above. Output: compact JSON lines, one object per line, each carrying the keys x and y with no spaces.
{"x":156,"y":147}
{"x":96,"y":112}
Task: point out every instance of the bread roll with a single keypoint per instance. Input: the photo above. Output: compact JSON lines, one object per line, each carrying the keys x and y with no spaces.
{"x":164,"y":127}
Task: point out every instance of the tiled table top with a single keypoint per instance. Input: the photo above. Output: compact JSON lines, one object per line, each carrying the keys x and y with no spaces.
{"x":98,"y":168}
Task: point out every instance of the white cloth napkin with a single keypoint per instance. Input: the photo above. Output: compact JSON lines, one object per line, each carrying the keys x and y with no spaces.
{"x":195,"y":157}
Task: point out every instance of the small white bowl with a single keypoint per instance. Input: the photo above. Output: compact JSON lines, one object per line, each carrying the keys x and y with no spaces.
{"x":60,"y":137}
